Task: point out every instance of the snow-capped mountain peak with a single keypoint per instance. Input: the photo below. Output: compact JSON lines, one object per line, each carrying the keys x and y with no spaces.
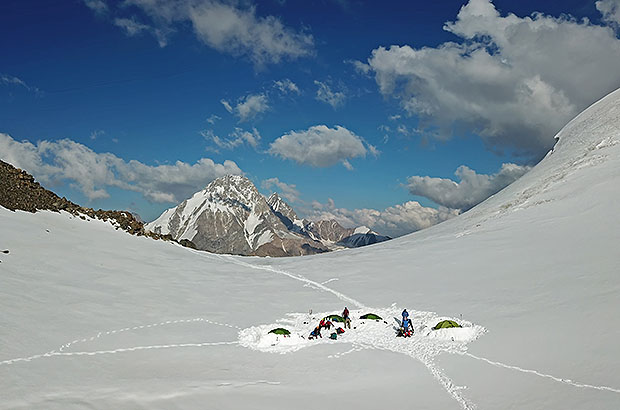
{"x":231,"y":216}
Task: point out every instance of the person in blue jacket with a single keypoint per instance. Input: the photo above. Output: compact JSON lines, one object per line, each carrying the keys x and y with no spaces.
{"x":406,"y":329}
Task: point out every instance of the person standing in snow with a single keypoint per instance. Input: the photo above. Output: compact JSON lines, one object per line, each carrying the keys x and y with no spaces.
{"x":407,"y":327}
{"x":405,"y":314}
{"x":347,"y":320}
{"x":316,"y":333}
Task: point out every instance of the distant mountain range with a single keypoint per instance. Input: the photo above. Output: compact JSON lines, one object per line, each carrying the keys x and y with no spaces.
{"x":231,"y":216}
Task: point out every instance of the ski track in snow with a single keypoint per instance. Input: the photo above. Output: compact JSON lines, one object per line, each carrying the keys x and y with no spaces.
{"x":114,"y":351}
{"x":61,"y":351}
{"x":420,"y":346}
{"x":419,"y":349}
{"x":426,"y":359}
{"x":548,"y":376}
{"x":257,"y":382}
{"x":300,"y":278}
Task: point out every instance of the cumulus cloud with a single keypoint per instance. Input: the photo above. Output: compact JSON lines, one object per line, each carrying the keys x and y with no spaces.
{"x":286,"y":86}
{"x":319,"y":146}
{"x":57,"y":162}
{"x":513,"y":80}
{"x":248,"y":107}
{"x":287,"y":191}
{"x":394,"y":221}
{"x":471,"y":189}
{"x":231,"y":27}
{"x":610,"y":9}
{"x":236,"y":138}
{"x":327,"y":95}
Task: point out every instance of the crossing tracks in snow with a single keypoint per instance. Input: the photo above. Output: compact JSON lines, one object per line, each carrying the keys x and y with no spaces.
{"x":423,"y":347}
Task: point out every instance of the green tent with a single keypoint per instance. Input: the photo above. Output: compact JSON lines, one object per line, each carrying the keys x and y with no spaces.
{"x":371,"y":316}
{"x":335,"y":318}
{"x":446,"y":324}
{"x":280,"y":331}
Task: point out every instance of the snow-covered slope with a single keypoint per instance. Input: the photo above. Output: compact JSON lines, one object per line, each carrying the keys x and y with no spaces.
{"x":92,"y":317}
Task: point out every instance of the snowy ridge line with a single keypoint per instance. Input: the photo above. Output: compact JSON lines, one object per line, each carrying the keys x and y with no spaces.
{"x":60,"y":350}
{"x":300,"y":278}
{"x":548,"y":376}
{"x":120,"y":350}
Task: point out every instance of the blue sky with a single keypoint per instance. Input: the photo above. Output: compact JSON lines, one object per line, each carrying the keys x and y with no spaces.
{"x":350,"y":109}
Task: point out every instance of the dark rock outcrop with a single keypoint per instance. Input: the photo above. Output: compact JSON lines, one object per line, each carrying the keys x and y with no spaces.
{"x":20,"y":191}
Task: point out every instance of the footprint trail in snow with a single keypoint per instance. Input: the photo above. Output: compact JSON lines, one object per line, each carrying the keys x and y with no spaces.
{"x":425,"y":345}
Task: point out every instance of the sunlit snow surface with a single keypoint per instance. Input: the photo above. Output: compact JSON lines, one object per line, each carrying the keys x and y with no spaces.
{"x":425,"y":344}
{"x":96,"y":318}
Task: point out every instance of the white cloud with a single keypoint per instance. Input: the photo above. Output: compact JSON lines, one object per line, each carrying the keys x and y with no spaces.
{"x":287,"y":191}
{"x":347,"y":165}
{"x":236,"y":138}
{"x":227,"y":105}
{"x":286,"y":86}
{"x":248,"y":107}
{"x":513,"y":80}
{"x":98,"y":6}
{"x":14,"y":81}
{"x":231,"y":27}
{"x":96,"y":133}
{"x":373,"y":150}
{"x":394,"y":221}
{"x":251,"y":106}
{"x":131,"y":26}
{"x":319,"y":146}
{"x":471,"y":189}
{"x":360,"y":67}
{"x":610,"y":9}
{"x":327,"y":95}
{"x":214,"y":118}
{"x":56,"y":162}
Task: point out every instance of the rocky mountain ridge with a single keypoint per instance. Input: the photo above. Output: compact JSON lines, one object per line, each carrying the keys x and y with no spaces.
{"x":327,"y":231}
{"x":20,"y":191}
{"x":231,"y":216}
